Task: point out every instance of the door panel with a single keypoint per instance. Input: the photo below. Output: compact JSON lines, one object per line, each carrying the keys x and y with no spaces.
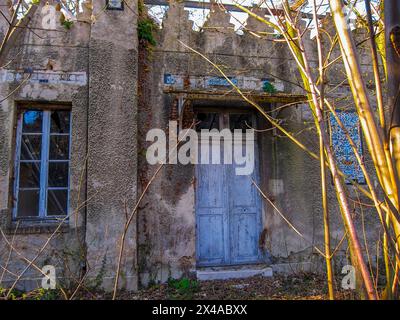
{"x":211,"y":240}
{"x":245,"y":222}
{"x":244,"y":238}
{"x":211,"y":212}
{"x":228,"y":214}
{"x":211,"y":193}
{"x":241,"y":191}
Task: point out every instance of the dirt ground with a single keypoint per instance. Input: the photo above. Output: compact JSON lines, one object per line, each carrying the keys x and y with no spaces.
{"x":279,"y":287}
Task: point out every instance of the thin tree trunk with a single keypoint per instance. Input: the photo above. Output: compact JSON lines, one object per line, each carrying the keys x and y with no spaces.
{"x":392,"y":40}
{"x":381,"y":112}
{"x":375,"y":66}
{"x":327,"y":237}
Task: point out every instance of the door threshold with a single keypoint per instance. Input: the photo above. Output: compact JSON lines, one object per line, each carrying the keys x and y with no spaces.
{"x":233,"y":272}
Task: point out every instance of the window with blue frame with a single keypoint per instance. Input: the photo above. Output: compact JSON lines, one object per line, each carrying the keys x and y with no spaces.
{"x":41,"y":188}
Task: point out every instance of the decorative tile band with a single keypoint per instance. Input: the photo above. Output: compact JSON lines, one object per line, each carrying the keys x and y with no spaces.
{"x":208,"y":82}
{"x":45,"y":77}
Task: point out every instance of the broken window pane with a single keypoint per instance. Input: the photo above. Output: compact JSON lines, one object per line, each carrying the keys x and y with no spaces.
{"x":59,"y":147}
{"x":32,"y":122}
{"x":28,"y":203}
{"x":57,"y":202}
{"x":207,"y":121}
{"x":29,"y":175}
{"x":58,"y":174}
{"x":240,"y":121}
{"x":30,"y":147}
{"x":60,"y":121}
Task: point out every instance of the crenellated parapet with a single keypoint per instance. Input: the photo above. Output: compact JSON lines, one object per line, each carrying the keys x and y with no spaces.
{"x":86,"y":14}
{"x":218,"y":32}
{"x":176,"y":27}
{"x":258,"y":27}
{"x":218,"y":20}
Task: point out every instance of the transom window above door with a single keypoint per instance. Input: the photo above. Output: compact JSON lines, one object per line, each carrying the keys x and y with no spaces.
{"x":210,"y":119}
{"x":41,"y":189}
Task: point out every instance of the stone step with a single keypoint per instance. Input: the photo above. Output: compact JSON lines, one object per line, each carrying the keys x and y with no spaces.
{"x":232,"y":273}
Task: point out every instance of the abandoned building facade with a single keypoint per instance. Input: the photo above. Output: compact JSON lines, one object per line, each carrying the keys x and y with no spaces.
{"x":76,"y":106}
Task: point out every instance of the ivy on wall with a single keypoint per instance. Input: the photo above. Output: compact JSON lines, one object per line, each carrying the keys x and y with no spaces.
{"x":146,"y":26}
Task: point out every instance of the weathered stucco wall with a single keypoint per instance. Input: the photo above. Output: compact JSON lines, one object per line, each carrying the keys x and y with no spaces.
{"x":290,"y":177}
{"x":112,"y":143}
{"x":102,"y":98}
{"x":42,"y":58}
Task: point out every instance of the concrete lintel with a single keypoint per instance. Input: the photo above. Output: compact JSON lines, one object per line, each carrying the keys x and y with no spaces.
{"x":233,"y":96}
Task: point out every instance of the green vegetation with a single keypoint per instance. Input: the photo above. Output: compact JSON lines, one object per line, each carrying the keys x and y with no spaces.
{"x":67,"y":24}
{"x":183,"y":288}
{"x":146,"y":27}
{"x":38,"y":294}
{"x":269,"y":87}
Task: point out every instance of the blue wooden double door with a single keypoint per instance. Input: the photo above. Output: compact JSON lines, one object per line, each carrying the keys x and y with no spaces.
{"x":228,"y":217}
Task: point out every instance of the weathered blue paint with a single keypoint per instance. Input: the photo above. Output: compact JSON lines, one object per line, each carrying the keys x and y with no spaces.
{"x":221,"y":81}
{"x":347,"y":161}
{"x":169,"y":79}
{"x":228,"y":211}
